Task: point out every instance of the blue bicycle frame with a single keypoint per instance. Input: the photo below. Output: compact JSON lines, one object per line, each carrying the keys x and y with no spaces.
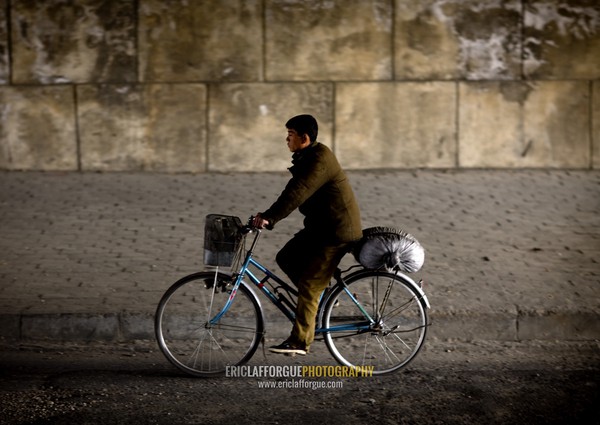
{"x":280,"y":301}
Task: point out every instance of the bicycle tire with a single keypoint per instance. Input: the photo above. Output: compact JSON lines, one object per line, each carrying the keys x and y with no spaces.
{"x":395,"y":337}
{"x":185,"y":336}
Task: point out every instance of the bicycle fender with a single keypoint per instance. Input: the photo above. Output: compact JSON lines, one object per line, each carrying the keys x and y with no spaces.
{"x":399,"y":275}
{"x":242,"y":282}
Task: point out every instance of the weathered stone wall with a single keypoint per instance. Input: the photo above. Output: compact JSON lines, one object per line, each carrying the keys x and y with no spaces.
{"x":206,"y":85}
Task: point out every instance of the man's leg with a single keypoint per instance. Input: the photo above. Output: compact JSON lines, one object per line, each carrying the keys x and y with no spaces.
{"x":292,"y":258}
{"x":313,"y":281}
{"x":310,"y":265}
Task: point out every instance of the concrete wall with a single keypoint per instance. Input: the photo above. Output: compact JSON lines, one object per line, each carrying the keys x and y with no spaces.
{"x":206,"y":85}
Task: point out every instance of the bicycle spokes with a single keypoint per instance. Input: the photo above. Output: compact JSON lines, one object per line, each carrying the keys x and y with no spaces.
{"x":198,"y":334}
{"x":394,"y":333}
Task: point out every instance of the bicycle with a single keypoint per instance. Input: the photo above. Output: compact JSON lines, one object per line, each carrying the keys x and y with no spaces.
{"x":212,"y":319}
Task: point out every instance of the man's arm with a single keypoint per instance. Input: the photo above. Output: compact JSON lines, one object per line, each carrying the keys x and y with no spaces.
{"x":298,"y":189}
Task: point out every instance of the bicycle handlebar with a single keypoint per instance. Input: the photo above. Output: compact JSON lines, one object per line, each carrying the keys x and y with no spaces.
{"x":248,"y":227}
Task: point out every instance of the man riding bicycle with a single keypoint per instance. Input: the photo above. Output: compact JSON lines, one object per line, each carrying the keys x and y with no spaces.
{"x":321,"y":191}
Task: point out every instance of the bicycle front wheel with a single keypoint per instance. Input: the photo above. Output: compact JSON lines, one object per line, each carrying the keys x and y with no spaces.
{"x":191,"y":338}
{"x":378,"y":320}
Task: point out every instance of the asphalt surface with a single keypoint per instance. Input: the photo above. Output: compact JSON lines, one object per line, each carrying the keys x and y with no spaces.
{"x":449,"y":383}
{"x":511,"y":255}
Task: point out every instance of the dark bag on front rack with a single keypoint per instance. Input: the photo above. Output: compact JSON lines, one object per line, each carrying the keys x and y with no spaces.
{"x":221,"y":239}
{"x":390,"y":249}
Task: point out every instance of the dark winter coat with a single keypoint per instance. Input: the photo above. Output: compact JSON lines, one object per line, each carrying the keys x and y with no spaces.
{"x":321,"y":191}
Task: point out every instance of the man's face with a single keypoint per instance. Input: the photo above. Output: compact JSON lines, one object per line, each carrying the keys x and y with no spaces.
{"x":295,"y":142}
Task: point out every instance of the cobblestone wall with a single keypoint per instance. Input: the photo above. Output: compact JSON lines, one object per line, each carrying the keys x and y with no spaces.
{"x":206,"y":85}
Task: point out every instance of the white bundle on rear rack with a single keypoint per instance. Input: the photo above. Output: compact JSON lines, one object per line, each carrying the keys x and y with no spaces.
{"x":391,"y":249}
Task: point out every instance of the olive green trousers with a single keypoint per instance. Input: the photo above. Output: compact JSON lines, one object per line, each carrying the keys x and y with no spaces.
{"x":310,"y":265}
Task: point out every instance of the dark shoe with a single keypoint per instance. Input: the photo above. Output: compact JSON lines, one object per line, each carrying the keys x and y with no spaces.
{"x":288,"y":347}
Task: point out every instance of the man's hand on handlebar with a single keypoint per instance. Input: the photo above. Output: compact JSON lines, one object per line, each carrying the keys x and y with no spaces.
{"x":259,"y":222}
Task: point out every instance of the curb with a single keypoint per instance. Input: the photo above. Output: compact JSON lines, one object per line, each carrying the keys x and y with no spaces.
{"x":445,"y":325}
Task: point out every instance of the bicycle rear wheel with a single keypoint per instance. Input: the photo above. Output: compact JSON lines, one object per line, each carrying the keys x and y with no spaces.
{"x":186,"y":335}
{"x":389,"y":335}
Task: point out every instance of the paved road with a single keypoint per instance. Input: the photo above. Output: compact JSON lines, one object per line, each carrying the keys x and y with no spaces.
{"x":450,"y":383}
{"x":511,"y":255}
